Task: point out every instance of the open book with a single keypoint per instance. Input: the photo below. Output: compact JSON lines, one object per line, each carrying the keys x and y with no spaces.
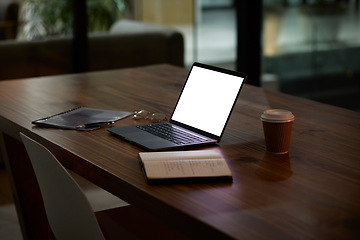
{"x":184,"y":166}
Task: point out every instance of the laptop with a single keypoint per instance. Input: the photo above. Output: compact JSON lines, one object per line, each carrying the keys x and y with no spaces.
{"x":200,"y":114}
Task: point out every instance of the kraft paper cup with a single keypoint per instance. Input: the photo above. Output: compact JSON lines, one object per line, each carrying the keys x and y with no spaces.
{"x":277,"y":125}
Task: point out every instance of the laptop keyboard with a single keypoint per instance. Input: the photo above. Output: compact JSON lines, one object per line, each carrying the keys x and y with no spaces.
{"x":171,"y":133}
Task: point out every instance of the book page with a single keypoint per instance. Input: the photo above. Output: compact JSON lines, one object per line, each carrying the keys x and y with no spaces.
{"x":182,"y":164}
{"x":179,"y":155}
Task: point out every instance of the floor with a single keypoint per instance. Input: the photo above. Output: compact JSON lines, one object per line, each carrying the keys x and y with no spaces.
{"x":9,"y":224}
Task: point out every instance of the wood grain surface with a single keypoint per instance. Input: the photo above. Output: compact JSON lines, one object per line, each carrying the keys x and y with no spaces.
{"x":311,"y":193}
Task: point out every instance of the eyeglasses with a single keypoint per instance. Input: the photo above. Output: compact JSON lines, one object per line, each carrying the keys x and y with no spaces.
{"x":153,"y":117}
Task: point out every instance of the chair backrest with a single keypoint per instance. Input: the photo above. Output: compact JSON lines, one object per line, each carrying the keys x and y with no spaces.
{"x":67,"y":208}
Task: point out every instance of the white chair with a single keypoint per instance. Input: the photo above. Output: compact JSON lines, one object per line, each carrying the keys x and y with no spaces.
{"x":69,"y":212}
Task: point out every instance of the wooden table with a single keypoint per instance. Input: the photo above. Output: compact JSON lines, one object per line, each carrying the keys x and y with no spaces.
{"x":313,"y":192}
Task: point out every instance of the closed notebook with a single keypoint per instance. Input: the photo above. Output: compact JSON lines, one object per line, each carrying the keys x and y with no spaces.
{"x":81,"y":118}
{"x":184,"y":166}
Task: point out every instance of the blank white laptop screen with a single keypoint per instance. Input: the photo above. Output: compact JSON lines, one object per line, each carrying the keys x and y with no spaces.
{"x":207,"y":100}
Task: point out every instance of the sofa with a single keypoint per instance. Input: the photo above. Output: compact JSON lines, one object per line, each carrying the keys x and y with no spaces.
{"x":127,"y":44}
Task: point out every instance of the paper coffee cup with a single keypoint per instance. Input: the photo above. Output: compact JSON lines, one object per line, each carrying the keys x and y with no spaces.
{"x":277,"y":125}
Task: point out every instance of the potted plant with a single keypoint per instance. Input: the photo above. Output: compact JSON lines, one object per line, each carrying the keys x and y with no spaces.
{"x":43,"y":18}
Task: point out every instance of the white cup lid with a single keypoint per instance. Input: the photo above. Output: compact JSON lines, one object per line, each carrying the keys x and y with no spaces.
{"x":277,"y":115}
